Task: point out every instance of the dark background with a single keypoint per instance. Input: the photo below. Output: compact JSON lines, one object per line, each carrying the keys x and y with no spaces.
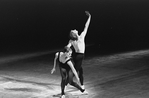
{"x":33,"y":25}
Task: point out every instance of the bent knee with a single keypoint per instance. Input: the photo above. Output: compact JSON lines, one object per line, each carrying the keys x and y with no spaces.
{"x":64,"y":79}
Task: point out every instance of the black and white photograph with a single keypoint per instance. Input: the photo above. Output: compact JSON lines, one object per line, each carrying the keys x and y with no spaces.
{"x":74,"y":49}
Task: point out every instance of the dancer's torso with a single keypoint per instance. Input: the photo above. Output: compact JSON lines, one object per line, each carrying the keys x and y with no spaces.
{"x":63,"y":59}
{"x":79,"y":45}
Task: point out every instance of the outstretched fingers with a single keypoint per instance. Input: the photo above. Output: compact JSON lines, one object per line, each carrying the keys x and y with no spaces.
{"x":87,"y":13}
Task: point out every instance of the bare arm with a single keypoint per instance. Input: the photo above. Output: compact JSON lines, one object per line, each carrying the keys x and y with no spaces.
{"x":55,"y":59}
{"x":83,"y":34}
{"x":73,"y":70}
{"x":69,"y":44}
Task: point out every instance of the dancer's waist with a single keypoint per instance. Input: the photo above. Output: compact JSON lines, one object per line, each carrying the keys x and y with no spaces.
{"x":79,"y":53}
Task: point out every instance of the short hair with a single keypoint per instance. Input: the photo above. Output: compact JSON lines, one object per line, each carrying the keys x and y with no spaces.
{"x":67,"y":49}
{"x":71,"y":36}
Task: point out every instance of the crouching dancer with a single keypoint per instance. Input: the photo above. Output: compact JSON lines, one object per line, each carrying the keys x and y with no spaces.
{"x":66,"y":69}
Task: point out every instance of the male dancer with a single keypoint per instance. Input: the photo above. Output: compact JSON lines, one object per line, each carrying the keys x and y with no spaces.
{"x":78,"y":43}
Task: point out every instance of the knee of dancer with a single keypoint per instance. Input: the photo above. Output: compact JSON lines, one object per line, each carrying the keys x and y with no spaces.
{"x":70,"y":82}
{"x":64,"y":79}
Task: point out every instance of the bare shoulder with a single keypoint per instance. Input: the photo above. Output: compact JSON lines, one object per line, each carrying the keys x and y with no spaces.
{"x":70,"y":41}
{"x":81,"y":36}
{"x":56,"y":54}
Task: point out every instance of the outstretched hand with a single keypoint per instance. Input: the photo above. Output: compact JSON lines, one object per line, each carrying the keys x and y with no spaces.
{"x":53,"y":70}
{"x":87,"y":13}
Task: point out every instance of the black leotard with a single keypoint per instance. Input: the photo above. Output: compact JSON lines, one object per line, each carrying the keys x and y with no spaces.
{"x":64,"y":65}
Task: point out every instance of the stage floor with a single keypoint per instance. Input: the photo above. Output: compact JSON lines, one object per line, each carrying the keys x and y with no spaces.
{"x":123,"y":75}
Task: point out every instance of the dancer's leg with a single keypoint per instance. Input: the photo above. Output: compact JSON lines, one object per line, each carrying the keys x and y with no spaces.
{"x":67,"y":79}
{"x":78,"y":65}
{"x":63,"y":81}
{"x":71,"y":82}
{"x":80,"y":73}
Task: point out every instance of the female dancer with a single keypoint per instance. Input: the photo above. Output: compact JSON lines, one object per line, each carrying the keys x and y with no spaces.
{"x":66,"y":69}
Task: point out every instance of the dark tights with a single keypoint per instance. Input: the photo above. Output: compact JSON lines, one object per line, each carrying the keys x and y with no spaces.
{"x":78,"y":58}
{"x":64,"y":79}
{"x":71,"y":82}
{"x":80,"y":73}
{"x":67,"y":77}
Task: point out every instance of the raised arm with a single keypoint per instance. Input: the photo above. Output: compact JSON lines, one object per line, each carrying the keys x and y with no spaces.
{"x":83,"y":34}
{"x":55,"y":60}
{"x":73,"y":70}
